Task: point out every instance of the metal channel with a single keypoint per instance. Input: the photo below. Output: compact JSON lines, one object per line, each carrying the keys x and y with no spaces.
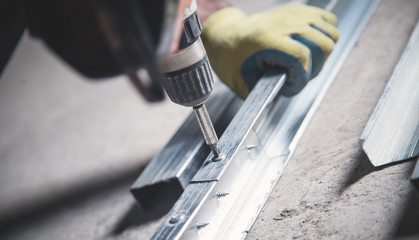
{"x":172,"y":169}
{"x":230,"y":145}
{"x":415,"y":177}
{"x":224,"y":197}
{"x":392,"y":132}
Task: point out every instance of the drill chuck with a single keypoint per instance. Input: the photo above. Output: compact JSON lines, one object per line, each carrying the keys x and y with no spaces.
{"x":189,"y":80}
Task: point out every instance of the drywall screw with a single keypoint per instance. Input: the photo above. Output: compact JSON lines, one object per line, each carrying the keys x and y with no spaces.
{"x":175,"y":218}
{"x":221,"y":194}
{"x":251,"y":146}
{"x":219,"y":158}
{"x":201,"y":225}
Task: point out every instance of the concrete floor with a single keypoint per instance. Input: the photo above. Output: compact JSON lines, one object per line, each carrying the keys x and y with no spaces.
{"x":330,"y":190}
{"x":70,"y":149}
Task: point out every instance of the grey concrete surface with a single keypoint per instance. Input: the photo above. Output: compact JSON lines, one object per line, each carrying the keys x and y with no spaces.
{"x":64,"y":139}
{"x":329,"y":190}
{"x":70,"y":149}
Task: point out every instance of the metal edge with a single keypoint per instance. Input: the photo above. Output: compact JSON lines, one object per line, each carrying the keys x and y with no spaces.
{"x":392,"y":132}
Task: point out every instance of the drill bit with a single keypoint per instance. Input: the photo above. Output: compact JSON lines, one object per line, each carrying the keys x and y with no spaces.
{"x":207,"y":128}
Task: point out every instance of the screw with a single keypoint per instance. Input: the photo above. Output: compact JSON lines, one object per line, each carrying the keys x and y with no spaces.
{"x":221,"y":194}
{"x":250,"y":146}
{"x":219,"y":158}
{"x":175,"y":218}
{"x":201,"y":225}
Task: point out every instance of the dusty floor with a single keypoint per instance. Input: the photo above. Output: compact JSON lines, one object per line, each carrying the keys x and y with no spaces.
{"x":70,"y":149}
{"x":329,"y":189}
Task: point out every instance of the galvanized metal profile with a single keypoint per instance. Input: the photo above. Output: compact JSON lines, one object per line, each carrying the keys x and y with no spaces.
{"x":172,"y":169}
{"x":224,"y":197}
{"x":415,"y":177}
{"x":237,"y":140}
{"x":392,"y":132}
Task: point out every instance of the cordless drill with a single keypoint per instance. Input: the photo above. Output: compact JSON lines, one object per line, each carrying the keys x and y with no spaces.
{"x":189,"y":81}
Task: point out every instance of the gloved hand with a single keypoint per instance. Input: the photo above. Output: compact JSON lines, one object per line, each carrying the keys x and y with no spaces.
{"x":294,"y":37}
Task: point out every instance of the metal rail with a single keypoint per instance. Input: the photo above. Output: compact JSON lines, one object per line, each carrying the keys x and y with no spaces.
{"x":392,"y":132}
{"x":173,"y":168}
{"x":415,"y":177}
{"x":224,"y":197}
{"x":238,"y":135}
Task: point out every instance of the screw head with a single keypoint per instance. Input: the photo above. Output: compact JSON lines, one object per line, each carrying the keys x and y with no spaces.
{"x":219,"y":158}
{"x":175,"y":218}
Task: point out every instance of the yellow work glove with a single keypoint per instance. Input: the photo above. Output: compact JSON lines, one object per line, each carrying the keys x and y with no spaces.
{"x":293,"y":37}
